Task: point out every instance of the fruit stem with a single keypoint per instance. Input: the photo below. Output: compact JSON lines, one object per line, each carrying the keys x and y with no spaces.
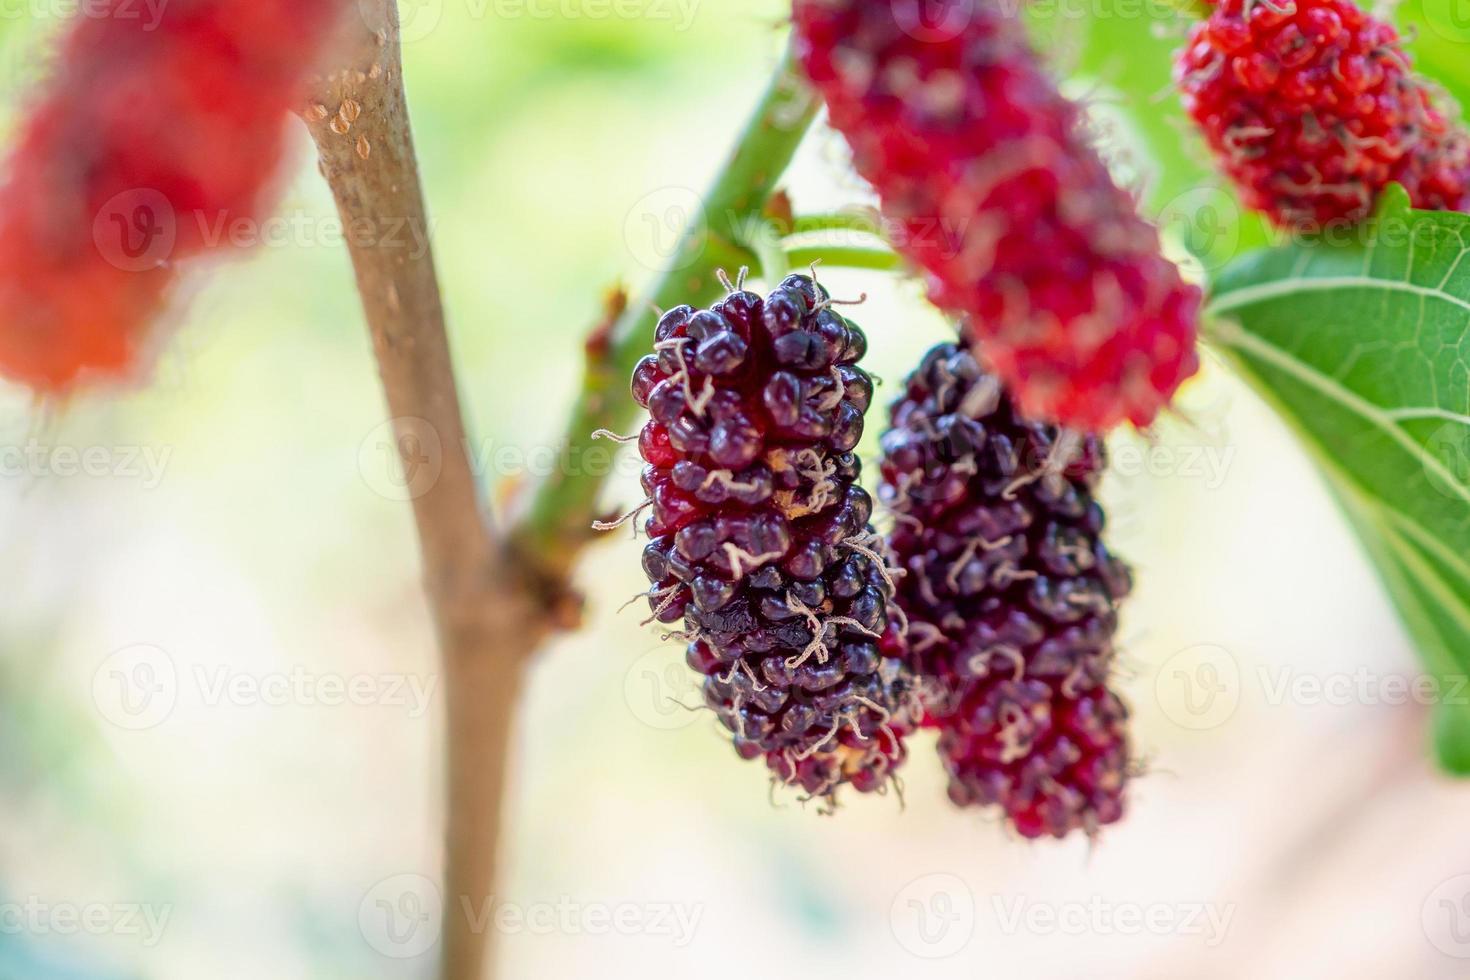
{"x":844,"y":257}
{"x":557,"y":520}
{"x":860,"y":219}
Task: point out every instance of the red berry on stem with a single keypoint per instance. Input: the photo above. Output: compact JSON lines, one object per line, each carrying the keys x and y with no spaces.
{"x":759,"y":534}
{"x":1010,"y":597}
{"x":987,"y":171}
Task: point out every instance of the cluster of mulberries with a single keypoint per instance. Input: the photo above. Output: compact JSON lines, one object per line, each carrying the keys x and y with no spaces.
{"x":156,"y":130}
{"x":1010,"y":597}
{"x":759,"y":534}
{"x":987,"y":173}
{"x":1312,"y":108}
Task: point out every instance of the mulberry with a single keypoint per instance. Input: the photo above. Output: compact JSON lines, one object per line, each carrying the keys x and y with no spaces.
{"x":152,"y":132}
{"x":759,"y":534}
{"x":1010,"y":597}
{"x":985,"y":172}
{"x":1312,"y":109}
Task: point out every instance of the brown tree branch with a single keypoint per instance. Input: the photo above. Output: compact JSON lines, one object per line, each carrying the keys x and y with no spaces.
{"x":488,"y":620}
{"x":493,"y":601}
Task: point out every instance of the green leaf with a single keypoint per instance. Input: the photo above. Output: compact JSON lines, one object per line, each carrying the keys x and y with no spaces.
{"x":1361,"y":340}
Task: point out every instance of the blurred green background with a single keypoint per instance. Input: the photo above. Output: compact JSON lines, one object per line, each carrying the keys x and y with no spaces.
{"x":233,"y":824}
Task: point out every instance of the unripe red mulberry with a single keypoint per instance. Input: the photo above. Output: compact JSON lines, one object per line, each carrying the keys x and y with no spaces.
{"x":1010,"y":597}
{"x":1312,"y":109}
{"x":759,"y":535}
{"x":155,"y":132}
{"x":987,"y":173}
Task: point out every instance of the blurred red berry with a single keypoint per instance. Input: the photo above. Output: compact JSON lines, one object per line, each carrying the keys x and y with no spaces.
{"x":157,"y":129}
{"x":987,"y":174}
{"x":1010,"y":597}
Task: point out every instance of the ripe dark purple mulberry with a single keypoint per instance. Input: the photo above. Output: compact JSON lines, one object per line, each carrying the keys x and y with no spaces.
{"x":987,"y":173}
{"x":759,"y":534}
{"x":1010,"y":596}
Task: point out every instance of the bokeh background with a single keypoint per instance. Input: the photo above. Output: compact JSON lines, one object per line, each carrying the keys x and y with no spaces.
{"x":218,"y":698}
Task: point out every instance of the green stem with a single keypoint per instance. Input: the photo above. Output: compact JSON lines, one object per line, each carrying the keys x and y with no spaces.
{"x":557,"y":521}
{"x":844,"y":257}
{"x":856,"y":219}
{"x":769,"y":251}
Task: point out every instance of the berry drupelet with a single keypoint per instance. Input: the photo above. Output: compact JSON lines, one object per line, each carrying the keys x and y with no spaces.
{"x":987,"y":174}
{"x":759,"y":534}
{"x":1312,"y":109}
{"x":1010,"y":597}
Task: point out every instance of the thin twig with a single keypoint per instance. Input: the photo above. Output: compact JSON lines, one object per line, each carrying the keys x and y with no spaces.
{"x":556,"y":523}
